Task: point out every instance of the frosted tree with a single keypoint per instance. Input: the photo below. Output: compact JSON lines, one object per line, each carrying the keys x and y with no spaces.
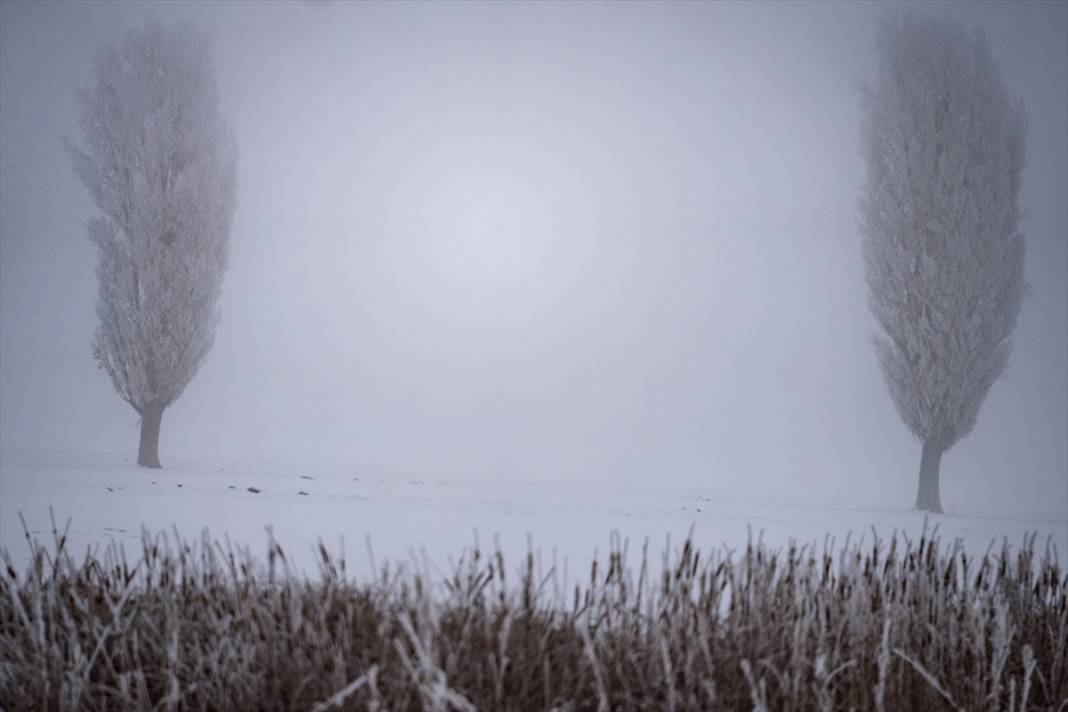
{"x":160,"y":163}
{"x":944,"y":146}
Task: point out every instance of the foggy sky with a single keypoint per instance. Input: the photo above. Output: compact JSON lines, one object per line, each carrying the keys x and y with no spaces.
{"x":590,"y":242}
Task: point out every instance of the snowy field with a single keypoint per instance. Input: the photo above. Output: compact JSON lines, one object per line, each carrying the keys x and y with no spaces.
{"x":428,"y":519}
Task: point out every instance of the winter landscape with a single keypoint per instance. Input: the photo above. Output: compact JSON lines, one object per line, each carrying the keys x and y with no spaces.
{"x":533,"y":356}
{"x":428,"y":520}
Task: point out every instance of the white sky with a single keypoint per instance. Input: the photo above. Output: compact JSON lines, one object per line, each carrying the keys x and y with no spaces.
{"x":543,"y":242}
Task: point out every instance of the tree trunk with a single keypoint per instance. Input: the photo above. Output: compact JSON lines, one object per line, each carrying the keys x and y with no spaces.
{"x":148,"y":452}
{"x":928,"y":499}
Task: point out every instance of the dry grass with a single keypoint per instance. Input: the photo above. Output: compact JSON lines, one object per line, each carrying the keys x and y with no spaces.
{"x":897,"y":625}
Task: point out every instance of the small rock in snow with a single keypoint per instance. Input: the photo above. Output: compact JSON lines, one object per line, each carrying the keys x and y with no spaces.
{"x":303,"y":493}
{"x":179,"y":485}
{"x":110,"y":490}
{"x":306,"y":477}
{"x":233,"y":487}
{"x":253,"y":490}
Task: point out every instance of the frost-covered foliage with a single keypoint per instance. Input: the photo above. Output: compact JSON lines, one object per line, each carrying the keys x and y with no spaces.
{"x":944,"y":145}
{"x":160,"y":164}
{"x":194,"y":625}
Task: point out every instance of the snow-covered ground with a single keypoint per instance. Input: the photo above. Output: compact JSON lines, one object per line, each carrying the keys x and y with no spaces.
{"x":407,"y":514}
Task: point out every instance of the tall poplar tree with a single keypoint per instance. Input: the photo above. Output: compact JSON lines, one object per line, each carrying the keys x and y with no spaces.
{"x":160,"y":165}
{"x":944,"y":146}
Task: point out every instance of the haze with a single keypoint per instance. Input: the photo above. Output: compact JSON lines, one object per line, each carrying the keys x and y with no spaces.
{"x":535,"y":242}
